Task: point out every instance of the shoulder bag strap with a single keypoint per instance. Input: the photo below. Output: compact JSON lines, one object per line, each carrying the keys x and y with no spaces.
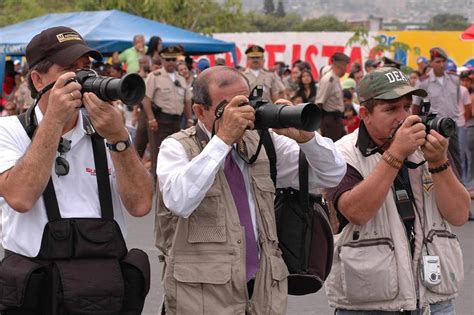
{"x":49,"y":195}
{"x":102,"y":175}
{"x":267,"y":141}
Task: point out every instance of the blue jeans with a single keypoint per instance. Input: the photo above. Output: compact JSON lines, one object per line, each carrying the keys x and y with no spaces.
{"x":442,"y":308}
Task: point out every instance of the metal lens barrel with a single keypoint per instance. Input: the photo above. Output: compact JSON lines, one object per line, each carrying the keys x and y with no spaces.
{"x":444,"y":126}
{"x":302,"y":116}
{"x":130,"y":89}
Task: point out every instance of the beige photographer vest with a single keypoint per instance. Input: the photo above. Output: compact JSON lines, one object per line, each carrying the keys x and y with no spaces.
{"x":372,"y":265}
{"x":204,"y":254}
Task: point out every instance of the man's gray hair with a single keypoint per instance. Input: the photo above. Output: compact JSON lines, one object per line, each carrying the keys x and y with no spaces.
{"x":137,"y":37}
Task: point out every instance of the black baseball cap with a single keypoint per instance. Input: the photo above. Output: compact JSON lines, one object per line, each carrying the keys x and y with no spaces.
{"x":60,"y":45}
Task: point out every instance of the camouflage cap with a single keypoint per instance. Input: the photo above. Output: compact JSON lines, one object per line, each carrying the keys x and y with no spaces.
{"x":386,"y":83}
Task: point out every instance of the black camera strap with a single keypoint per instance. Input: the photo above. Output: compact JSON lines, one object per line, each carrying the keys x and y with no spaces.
{"x":102,"y":175}
{"x":405,"y":202}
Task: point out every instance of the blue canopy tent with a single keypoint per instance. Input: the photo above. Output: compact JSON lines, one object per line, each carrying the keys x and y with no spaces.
{"x":107,"y":31}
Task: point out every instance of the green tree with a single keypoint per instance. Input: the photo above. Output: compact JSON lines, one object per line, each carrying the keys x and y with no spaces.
{"x":328,"y":23}
{"x":14,"y":11}
{"x":280,"y":12}
{"x":206,"y":16}
{"x":268,"y":7}
{"x":446,"y":21}
{"x":268,"y":23}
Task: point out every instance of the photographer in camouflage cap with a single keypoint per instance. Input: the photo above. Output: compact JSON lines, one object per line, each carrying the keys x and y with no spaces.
{"x":389,"y":202}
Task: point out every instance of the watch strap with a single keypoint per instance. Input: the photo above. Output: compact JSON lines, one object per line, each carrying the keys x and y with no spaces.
{"x":120,"y":146}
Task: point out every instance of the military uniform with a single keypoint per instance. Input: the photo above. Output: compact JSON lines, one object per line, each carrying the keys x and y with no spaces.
{"x":330,"y":97}
{"x":169,"y":93}
{"x":272,"y":84}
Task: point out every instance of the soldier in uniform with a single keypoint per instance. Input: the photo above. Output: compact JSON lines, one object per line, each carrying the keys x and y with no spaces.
{"x":330,"y":98}
{"x":273,"y":87}
{"x":167,"y":97}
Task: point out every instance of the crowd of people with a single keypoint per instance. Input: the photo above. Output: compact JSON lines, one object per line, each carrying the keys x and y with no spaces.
{"x":396,"y":183}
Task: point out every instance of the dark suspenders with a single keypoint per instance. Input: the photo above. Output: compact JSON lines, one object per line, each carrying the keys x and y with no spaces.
{"x":102,"y":176}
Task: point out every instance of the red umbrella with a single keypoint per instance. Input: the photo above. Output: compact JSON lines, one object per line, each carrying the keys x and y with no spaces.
{"x":468,"y":34}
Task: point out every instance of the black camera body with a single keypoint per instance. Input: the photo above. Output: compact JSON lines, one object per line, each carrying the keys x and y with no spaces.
{"x":305,"y":116}
{"x":130,"y":89}
{"x":443,"y":125}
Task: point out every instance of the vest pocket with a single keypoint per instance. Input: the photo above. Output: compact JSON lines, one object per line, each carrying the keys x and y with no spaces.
{"x":88,"y":286}
{"x":57,"y":241}
{"x":203,"y":288}
{"x":21,"y":283}
{"x":265,"y":194}
{"x":98,"y":238}
{"x":207,"y":223}
{"x":279,"y":286}
{"x":445,"y":244}
{"x":136,"y":275}
{"x":369,"y":270}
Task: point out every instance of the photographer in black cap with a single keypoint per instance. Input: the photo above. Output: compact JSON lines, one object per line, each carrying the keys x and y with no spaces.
{"x":54,"y":162}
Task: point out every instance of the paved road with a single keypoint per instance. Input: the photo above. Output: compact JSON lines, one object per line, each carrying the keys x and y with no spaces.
{"x":140,"y":234}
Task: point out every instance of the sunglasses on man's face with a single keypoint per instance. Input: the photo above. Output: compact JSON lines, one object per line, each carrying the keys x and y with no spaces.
{"x":170,"y":59}
{"x":61,"y":165}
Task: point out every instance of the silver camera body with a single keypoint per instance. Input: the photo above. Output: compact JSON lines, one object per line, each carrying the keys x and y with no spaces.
{"x":430,"y":271}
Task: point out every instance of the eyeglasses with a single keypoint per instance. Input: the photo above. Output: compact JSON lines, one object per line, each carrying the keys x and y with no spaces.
{"x":61,"y":165}
{"x":170,"y":59}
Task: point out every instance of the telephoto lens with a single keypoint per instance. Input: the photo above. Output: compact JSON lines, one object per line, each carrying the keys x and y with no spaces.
{"x":305,"y":116}
{"x":130,"y":89}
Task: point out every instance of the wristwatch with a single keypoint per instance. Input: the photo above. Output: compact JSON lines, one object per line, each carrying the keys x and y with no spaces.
{"x":120,"y":146}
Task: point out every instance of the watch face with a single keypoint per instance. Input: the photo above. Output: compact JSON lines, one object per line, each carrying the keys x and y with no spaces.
{"x":120,"y":146}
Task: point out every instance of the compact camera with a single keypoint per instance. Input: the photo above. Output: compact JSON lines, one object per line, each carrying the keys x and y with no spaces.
{"x":443,"y":125}
{"x":430,"y":271}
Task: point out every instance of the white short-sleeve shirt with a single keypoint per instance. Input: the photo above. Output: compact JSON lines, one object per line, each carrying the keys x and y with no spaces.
{"x":76,"y":192}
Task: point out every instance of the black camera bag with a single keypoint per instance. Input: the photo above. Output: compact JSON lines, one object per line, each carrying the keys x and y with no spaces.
{"x":304,"y":232}
{"x":83,"y":266}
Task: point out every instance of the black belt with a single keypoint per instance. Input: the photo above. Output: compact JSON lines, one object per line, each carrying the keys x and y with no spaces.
{"x":335,"y":114}
{"x":164,"y":116}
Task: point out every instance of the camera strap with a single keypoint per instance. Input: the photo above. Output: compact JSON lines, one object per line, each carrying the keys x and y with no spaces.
{"x":218,"y":114}
{"x":405,"y":202}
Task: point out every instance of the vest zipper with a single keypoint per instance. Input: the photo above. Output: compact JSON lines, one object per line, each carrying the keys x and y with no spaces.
{"x":372,"y":242}
{"x":439,"y":233}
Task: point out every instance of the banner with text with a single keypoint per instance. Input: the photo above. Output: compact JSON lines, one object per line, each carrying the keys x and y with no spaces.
{"x":316,"y":48}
